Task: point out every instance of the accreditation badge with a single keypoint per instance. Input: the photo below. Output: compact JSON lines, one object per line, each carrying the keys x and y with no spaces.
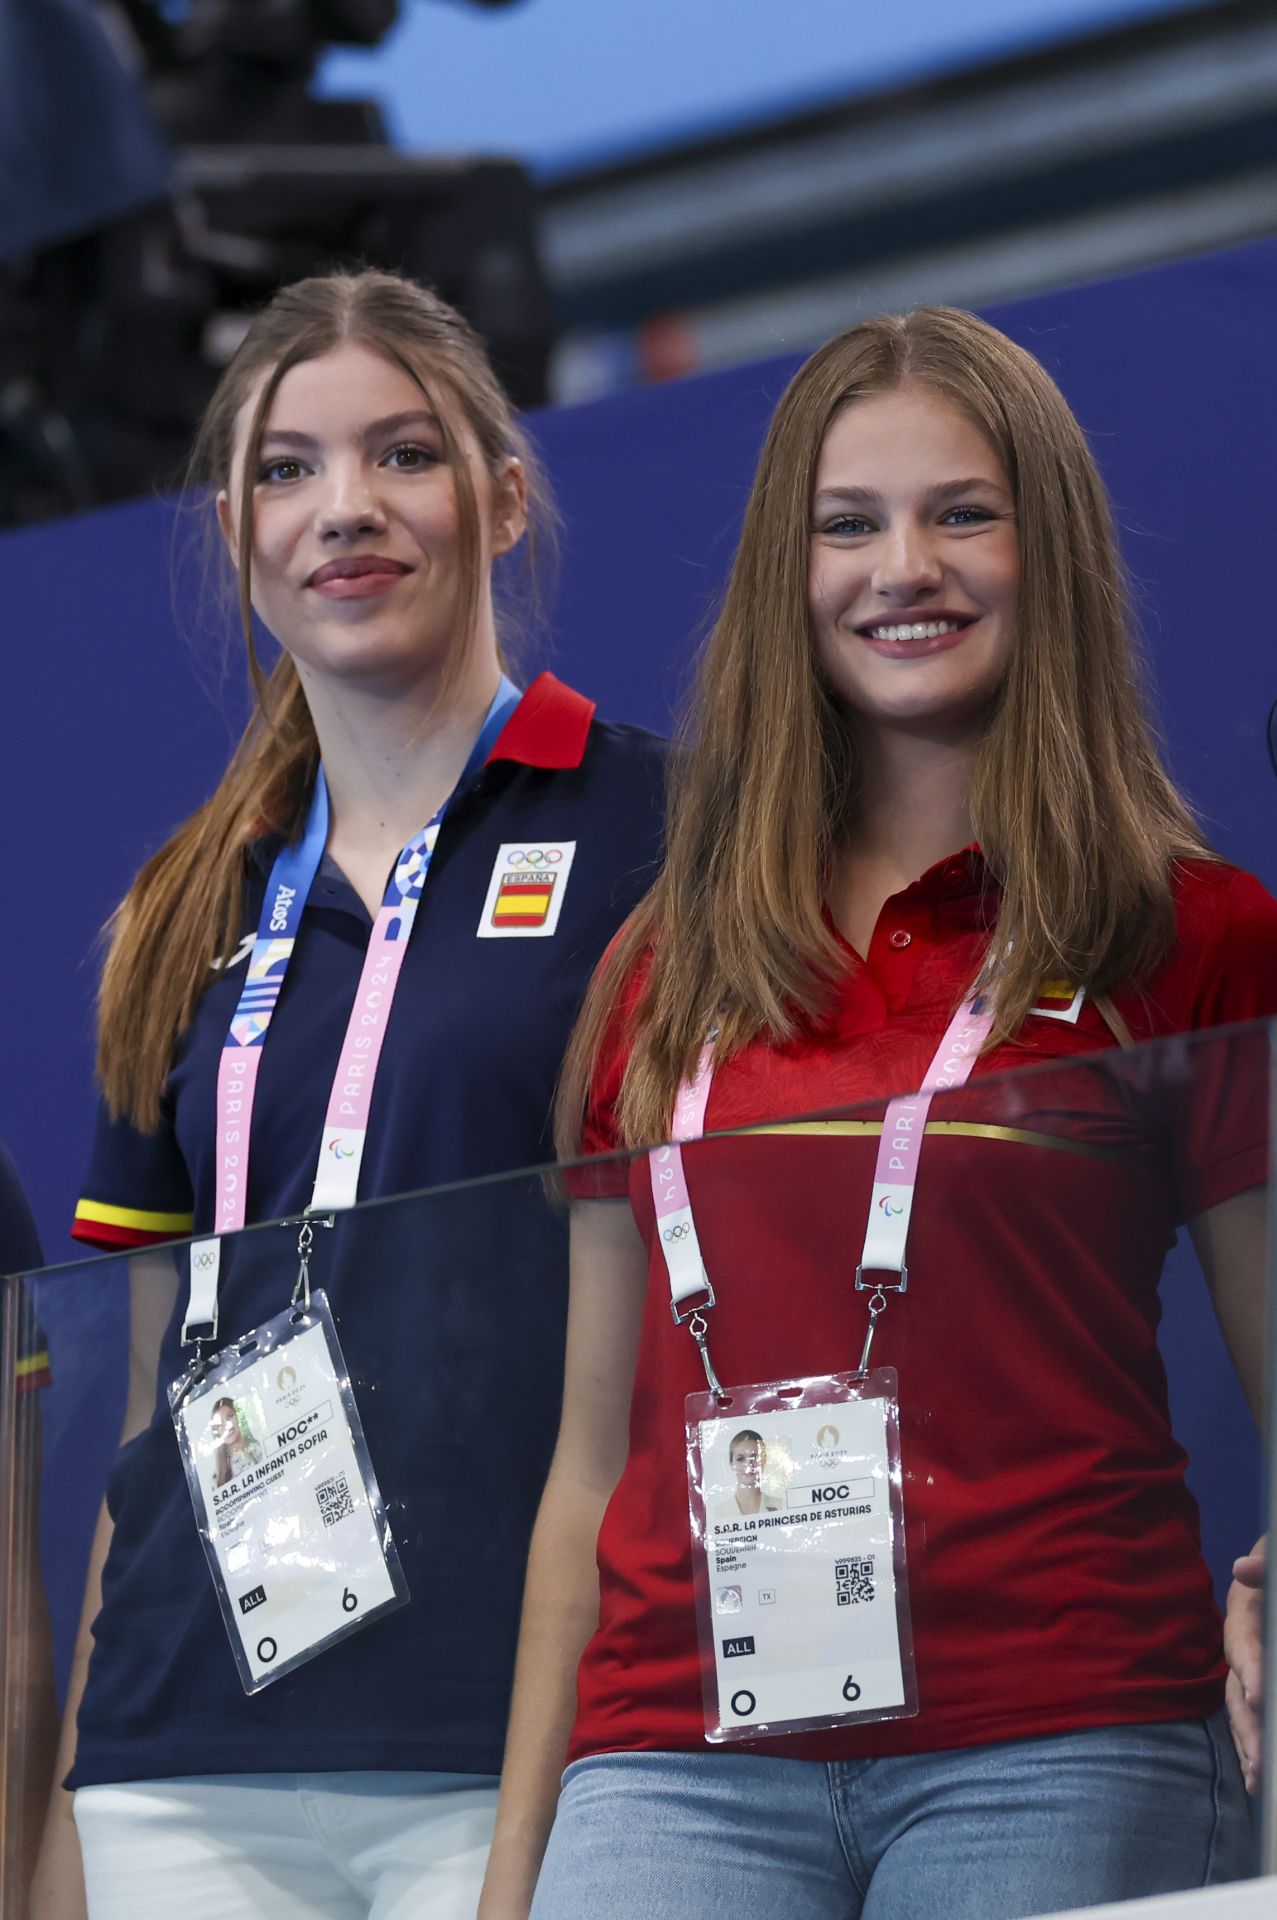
{"x":799,"y":1555}
{"x":285,"y":1498}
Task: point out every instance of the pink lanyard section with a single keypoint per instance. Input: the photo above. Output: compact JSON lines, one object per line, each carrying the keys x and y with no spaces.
{"x":346,"y":1122}
{"x":903,"y":1127}
{"x":670,"y":1197}
{"x":341,"y":1149}
{"x":895,"y":1174}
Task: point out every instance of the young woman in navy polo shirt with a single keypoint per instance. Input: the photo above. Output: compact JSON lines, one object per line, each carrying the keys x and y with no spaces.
{"x":920,"y":766}
{"x":368,"y":478}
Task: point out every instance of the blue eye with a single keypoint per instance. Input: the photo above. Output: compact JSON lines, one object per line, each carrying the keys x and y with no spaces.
{"x":847,"y":524}
{"x":279,"y":472}
{"x":409,"y":457}
{"x":967,"y":516}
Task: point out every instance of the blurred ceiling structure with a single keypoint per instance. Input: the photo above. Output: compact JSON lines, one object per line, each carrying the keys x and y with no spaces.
{"x":219,"y":156}
{"x":1127,"y":148}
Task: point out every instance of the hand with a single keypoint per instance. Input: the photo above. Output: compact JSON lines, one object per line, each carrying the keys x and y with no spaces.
{"x":1243,"y":1649}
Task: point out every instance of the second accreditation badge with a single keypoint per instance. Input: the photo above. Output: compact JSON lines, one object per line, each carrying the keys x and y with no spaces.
{"x":285,"y":1497}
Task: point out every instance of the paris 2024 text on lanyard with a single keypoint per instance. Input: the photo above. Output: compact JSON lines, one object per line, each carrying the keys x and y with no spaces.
{"x":286,"y":1500}
{"x":797,"y":1510}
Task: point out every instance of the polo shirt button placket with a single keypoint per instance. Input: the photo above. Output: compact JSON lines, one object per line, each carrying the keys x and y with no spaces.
{"x":899,"y":964}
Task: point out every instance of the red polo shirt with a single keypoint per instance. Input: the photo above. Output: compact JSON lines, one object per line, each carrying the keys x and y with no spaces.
{"x":1055,"y":1568}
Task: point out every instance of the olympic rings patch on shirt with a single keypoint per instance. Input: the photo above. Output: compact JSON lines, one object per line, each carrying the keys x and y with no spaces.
{"x":525,"y":894}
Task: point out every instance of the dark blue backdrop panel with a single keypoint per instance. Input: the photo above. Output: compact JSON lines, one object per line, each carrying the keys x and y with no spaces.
{"x":1170,"y":375}
{"x":110,"y":737}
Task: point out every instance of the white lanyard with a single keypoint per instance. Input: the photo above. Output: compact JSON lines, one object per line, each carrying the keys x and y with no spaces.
{"x":346,"y":1121}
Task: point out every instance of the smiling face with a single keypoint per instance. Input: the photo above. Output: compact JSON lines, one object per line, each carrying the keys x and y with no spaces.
{"x":915,"y":566}
{"x":359,"y":564}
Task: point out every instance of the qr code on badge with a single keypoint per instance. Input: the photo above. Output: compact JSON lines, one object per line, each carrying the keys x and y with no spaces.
{"x":334,"y":1499}
{"x":855,"y":1581}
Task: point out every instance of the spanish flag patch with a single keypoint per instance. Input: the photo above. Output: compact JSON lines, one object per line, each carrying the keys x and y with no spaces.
{"x":1059,"y":1000}
{"x":525,"y":893}
{"x":523,"y":900}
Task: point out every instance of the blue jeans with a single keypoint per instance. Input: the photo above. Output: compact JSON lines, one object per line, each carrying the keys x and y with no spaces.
{"x":979,"y":1833}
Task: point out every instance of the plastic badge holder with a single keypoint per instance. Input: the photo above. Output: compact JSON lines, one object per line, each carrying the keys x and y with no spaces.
{"x":285,"y":1497}
{"x":798,"y":1547}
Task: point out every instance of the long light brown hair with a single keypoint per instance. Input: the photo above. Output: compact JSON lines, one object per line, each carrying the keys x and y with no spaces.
{"x":1077,"y":817}
{"x":186,"y":905}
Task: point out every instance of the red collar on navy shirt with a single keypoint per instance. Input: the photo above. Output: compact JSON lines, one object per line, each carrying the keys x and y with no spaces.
{"x":548,"y":728}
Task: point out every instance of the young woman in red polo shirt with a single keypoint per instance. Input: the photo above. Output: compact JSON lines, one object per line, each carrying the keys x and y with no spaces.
{"x":920,"y":772}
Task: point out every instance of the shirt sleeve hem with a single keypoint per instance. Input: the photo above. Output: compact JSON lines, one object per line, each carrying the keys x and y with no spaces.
{"x":100,"y":1225}
{"x":1211,"y":1186}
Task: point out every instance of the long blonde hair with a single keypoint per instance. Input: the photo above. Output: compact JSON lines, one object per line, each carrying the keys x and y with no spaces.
{"x":1077,"y":817}
{"x":186,"y":905}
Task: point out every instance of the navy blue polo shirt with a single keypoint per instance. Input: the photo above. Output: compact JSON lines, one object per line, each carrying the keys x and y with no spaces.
{"x":450,"y":1310}
{"x":20,"y":1253}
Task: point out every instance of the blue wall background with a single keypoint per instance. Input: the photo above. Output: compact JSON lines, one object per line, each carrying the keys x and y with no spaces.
{"x":110,"y":736}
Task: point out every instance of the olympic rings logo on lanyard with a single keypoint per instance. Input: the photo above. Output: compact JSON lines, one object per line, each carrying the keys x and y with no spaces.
{"x":680,"y":1232}
{"x":534,"y":857}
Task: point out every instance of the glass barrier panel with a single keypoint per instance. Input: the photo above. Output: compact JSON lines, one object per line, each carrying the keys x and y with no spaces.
{"x":1078,"y":1463}
{"x":28,"y":1707}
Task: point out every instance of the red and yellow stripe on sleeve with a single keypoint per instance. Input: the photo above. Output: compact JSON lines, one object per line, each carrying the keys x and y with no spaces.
{"x":32,"y":1371}
{"x":102,"y":1225}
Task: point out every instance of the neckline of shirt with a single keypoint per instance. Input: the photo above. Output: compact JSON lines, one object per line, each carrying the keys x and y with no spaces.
{"x":548,"y":729}
{"x":959,"y":876}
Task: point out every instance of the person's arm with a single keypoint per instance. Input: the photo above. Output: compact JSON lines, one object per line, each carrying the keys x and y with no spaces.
{"x":1230,"y":1240}
{"x":58,"y":1888}
{"x":561,"y":1597}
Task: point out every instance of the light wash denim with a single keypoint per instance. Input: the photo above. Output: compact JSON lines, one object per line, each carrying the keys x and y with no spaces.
{"x":980,"y":1833}
{"x":287,"y":1846}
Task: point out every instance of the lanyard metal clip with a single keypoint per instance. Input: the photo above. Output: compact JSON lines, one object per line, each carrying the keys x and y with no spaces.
{"x":700,"y":1333}
{"x":878,"y":1289}
{"x":682,"y":1312}
{"x":201,"y":1333}
{"x":693,"y":1318}
{"x":200,"y":1362}
{"x":899,"y":1285}
{"x":305,"y":1241}
{"x":877,"y":1305}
